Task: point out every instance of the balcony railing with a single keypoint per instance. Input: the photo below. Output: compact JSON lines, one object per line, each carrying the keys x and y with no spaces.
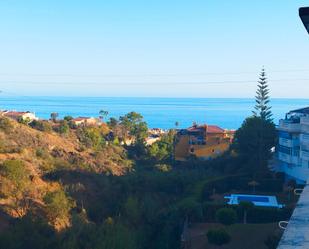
{"x":304,"y":155}
{"x":304,"y":120}
{"x":296,"y":232}
{"x":289,"y":126}
{"x":284,"y":157}
{"x":289,"y":142}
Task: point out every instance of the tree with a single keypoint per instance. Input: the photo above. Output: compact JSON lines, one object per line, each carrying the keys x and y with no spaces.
{"x":162,"y":149}
{"x":176,"y":124}
{"x":68,"y":118}
{"x":58,"y":206}
{"x":226,"y":216}
{"x":63,"y":127}
{"x":54,"y":116}
{"x":103,"y":114}
{"x":253,"y":184}
{"x":15,"y":185}
{"x":135,"y":126}
{"x":41,"y":125}
{"x":218,"y":237}
{"x":245,"y":206}
{"x":254,"y":140}
{"x":112,"y":123}
{"x":262,"y":109}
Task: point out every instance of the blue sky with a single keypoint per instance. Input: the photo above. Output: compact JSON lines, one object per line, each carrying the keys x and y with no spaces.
{"x":152,"y":48}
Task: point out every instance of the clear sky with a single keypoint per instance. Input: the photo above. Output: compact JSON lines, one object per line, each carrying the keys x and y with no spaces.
{"x":162,"y":48}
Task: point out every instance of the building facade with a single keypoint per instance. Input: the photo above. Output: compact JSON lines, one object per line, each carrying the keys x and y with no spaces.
{"x":19,"y":115}
{"x":202,"y":142}
{"x":86,"y":121}
{"x":293,"y":145}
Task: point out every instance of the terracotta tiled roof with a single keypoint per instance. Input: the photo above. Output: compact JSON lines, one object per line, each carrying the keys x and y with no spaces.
{"x":214,"y":129}
{"x":15,"y":114}
{"x":210,"y":128}
{"x":80,"y":118}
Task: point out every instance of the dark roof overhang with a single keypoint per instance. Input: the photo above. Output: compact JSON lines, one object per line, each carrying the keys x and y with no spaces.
{"x":304,"y":16}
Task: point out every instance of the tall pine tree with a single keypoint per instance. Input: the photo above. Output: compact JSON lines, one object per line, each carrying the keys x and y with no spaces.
{"x":262,"y":108}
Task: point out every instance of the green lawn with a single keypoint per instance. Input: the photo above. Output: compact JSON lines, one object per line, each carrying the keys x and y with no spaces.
{"x":249,"y":236}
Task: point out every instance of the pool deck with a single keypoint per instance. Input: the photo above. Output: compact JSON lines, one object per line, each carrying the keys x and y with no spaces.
{"x":296,"y":234}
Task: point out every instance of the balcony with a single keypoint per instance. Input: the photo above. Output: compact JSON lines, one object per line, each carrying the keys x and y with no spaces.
{"x":296,"y":233}
{"x":284,"y":157}
{"x":289,"y":142}
{"x":304,"y":155}
{"x":304,"y":139}
{"x":304,"y":120}
{"x":289,"y":126}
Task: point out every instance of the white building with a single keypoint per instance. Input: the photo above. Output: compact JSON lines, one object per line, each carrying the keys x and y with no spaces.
{"x":293,"y":145}
{"x":30,"y":116}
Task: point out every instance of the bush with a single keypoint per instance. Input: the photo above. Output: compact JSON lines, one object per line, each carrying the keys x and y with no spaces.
{"x":41,"y":125}
{"x":191,"y":208}
{"x":58,"y":205}
{"x":163,"y":167}
{"x":218,"y":237}
{"x":63,"y":127}
{"x":5,"y":124}
{"x":90,"y":137}
{"x":210,"y":209}
{"x":226,"y":216}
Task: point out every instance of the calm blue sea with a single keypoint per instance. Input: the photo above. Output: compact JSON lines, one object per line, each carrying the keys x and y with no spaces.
{"x":158,"y":112}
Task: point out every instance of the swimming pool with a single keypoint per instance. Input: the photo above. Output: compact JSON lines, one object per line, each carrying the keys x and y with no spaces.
{"x":257,"y":200}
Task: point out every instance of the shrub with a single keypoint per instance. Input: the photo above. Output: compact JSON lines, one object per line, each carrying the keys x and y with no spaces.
{"x":209,"y":210}
{"x":5,"y":124}
{"x":58,"y":205}
{"x":42,"y":153}
{"x":90,"y":137}
{"x":163,"y":167}
{"x":191,"y":208}
{"x":226,"y":216}
{"x":41,"y":125}
{"x":218,"y":237}
{"x":63,"y":127}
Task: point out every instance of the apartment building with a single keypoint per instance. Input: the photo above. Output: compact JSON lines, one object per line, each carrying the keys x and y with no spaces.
{"x":293,"y":145}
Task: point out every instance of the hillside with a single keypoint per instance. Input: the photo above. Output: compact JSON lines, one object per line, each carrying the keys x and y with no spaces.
{"x":43,"y":152}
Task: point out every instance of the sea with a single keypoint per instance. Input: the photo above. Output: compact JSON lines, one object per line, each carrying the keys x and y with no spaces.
{"x":162,"y":113}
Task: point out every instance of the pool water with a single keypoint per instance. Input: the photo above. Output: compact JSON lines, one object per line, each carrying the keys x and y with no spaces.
{"x":253,"y":199}
{"x":257,"y":200}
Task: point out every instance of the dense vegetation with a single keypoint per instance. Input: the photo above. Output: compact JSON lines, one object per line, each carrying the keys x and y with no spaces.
{"x":64,"y":186}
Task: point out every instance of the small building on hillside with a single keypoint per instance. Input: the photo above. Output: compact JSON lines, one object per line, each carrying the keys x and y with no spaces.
{"x":18,"y":116}
{"x":86,"y":121}
{"x":202,"y":142}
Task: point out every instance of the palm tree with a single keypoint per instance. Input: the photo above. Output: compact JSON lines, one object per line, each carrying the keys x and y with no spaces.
{"x":54,"y":116}
{"x":245,"y":206}
{"x":103,"y":114}
{"x":253,"y":184}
